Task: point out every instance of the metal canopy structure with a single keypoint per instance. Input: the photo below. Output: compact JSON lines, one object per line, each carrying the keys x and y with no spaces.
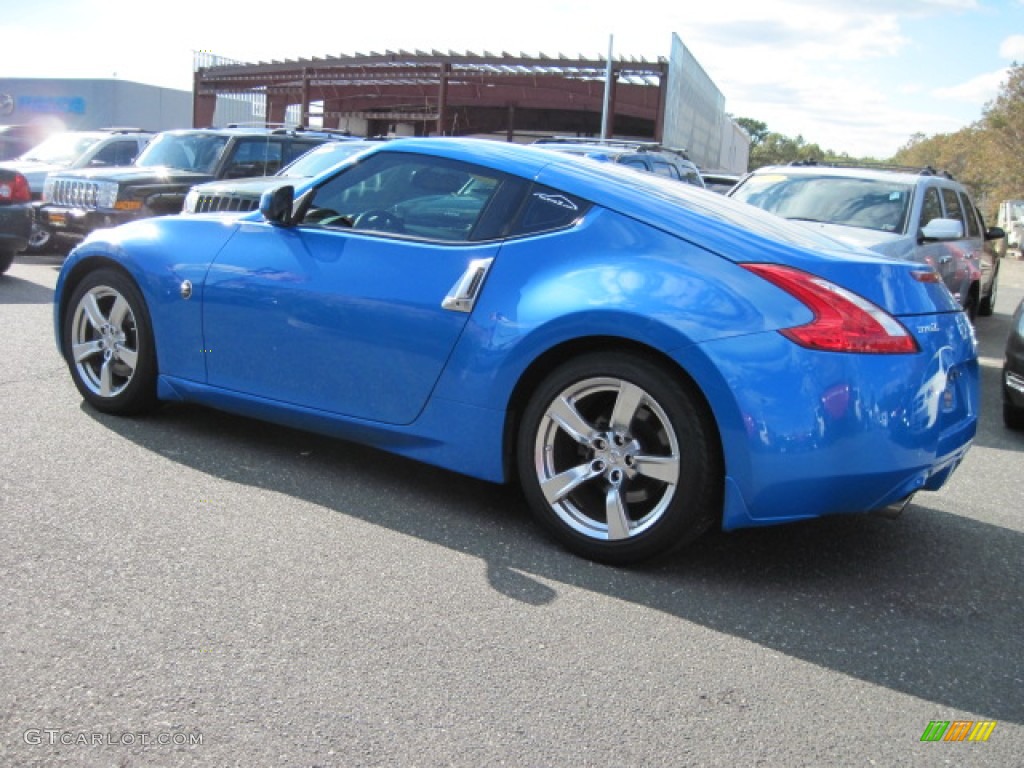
{"x":447,"y":93}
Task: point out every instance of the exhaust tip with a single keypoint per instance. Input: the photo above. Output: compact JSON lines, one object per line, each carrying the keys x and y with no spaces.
{"x":894,"y":510}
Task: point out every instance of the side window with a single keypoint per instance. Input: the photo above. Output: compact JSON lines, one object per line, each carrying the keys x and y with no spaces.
{"x":117,"y":153}
{"x":407,"y":194}
{"x":548,"y":209}
{"x":931,"y":208}
{"x":971,"y":213}
{"x":663,"y":168}
{"x":951,"y":201}
{"x":634,"y":161}
{"x":296,"y":149}
{"x":254,"y":157}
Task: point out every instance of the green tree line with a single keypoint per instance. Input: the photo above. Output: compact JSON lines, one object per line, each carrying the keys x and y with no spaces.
{"x":986,"y":156}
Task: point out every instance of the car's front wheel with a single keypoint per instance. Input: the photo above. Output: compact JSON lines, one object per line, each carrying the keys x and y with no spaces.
{"x":108,"y":344}
{"x":40,"y":238}
{"x":617,"y":458}
{"x":6,"y":259}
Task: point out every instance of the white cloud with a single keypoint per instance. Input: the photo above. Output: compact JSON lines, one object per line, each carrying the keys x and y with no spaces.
{"x":1012,"y":48}
{"x":977,"y":90}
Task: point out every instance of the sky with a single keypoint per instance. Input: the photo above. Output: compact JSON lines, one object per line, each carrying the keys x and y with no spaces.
{"x":855,"y":76}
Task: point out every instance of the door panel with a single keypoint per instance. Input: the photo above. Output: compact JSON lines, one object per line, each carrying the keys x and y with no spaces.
{"x":335,"y":320}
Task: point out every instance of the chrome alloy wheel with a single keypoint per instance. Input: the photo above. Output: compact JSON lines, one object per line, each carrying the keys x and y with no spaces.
{"x":607,"y":459}
{"x":104,"y":341}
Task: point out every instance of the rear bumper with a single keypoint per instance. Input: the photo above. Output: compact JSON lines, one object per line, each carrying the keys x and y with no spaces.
{"x":15,"y":227}
{"x":808,"y":434}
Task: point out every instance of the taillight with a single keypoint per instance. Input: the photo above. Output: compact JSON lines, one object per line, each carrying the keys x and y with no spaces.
{"x":843,"y":321}
{"x":15,"y":190}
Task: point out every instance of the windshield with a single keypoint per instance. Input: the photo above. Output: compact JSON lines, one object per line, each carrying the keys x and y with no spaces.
{"x":185,"y":151}
{"x":60,"y":149}
{"x":865,"y":203}
{"x":318,"y":160}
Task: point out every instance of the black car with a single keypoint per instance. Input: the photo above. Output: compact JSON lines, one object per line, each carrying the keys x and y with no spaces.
{"x":1013,"y":372}
{"x":15,"y":216}
{"x":232,"y":196}
{"x":77,"y":202}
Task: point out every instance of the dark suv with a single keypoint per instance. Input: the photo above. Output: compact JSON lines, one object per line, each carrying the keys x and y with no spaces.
{"x":77,"y":202}
{"x":644,"y":156}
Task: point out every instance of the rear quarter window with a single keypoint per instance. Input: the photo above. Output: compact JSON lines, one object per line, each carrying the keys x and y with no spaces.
{"x":547,"y":209}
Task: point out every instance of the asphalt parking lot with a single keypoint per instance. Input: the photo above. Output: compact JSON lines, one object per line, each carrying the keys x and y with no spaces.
{"x":194,"y":588}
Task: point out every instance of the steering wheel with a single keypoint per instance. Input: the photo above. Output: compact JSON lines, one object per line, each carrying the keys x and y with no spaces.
{"x":378,"y":219}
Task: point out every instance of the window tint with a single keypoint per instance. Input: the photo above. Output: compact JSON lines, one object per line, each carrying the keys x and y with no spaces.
{"x":296,"y":149}
{"x":407,"y":194}
{"x":254,"y":157}
{"x":931,"y":208}
{"x":951,"y":201}
{"x":116,"y":153}
{"x":633,"y":161}
{"x":973,"y":228}
{"x":546,"y":209}
{"x":663,"y":168}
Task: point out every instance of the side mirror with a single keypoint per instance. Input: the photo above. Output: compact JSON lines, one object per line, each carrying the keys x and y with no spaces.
{"x":942,"y":229}
{"x":995,"y":233}
{"x":276,"y":205}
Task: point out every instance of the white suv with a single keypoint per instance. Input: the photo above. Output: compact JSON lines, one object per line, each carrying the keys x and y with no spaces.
{"x":915,"y":215}
{"x":74,"y":149}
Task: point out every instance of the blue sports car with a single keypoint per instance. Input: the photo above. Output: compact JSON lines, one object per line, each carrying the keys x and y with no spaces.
{"x":648,"y":359}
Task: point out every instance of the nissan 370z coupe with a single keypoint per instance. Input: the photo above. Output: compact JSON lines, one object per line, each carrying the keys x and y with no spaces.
{"x":647,"y":359}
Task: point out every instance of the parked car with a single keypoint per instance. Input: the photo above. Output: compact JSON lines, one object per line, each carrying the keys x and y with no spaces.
{"x":648,"y":360}
{"x":1013,"y":372}
{"x":77,"y":202}
{"x":719,"y":181}
{"x":923,"y":216}
{"x":640,"y":155}
{"x":74,"y":149}
{"x":16,"y":140}
{"x":15,"y":216}
{"x":244,"y":194}
{"x":1010,"y":218}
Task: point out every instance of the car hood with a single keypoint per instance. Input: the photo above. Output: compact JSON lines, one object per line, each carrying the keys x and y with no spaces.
{"x":255,"y":186}
{"x":137,"y":175}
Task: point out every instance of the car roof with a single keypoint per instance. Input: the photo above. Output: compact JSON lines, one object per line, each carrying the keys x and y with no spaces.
{"x":659,"y":201}
{"x":901,"y":174}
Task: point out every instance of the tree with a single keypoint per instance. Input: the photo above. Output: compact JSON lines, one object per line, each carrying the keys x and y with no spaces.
{"x":756,"y":129}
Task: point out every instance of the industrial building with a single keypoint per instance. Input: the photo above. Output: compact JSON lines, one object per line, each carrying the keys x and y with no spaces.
{"x":88,"y":104}
{"x":515,"y":97}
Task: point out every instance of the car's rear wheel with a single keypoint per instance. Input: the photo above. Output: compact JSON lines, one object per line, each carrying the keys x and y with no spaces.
{"x":1013,"y":417}
{"x":617,"y":459}
{"x":6,"y":259}
{"x":108,"y":344}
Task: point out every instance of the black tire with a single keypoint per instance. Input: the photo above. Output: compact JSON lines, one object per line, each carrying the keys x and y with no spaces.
{"x":41,"y":240}
{"x":1013,"y":417}
{"x":106,"y":324}
{"x":658,"y":464}
{"x":987,"y":305}
{"x":6,"y":259}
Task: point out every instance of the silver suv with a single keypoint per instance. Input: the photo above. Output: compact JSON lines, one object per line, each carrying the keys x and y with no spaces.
{"x":916,"y":215}
{"x":642,"y":155}
{"x":74,"y":149}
